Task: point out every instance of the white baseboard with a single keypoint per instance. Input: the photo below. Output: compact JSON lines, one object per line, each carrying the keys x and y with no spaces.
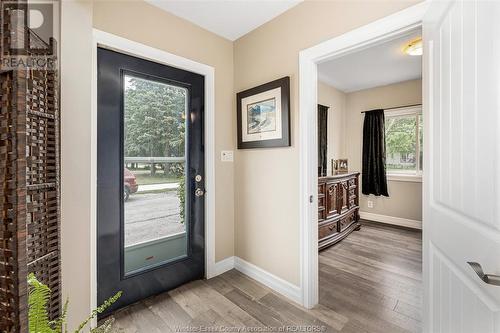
{"x":224,"y":265}
{"x":391,"y":220}
{"x":271,"y":281}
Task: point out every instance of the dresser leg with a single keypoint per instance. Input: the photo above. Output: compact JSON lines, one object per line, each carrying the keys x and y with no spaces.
{"x":358,"y":227}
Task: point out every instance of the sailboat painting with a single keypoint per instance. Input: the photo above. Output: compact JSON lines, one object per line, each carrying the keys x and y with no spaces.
{"x":261,"y":116}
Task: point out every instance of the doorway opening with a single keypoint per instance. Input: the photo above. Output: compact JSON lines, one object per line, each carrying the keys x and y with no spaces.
{"x":370,"y":157}
{"x":373,"y":34}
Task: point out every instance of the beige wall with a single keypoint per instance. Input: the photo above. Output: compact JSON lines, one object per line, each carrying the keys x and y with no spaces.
{"x":76,"y":76}
{"x":267,"y":180}
{"x":146,"y":24}
{"x":335,"y":100}
{"x":405,"y":198}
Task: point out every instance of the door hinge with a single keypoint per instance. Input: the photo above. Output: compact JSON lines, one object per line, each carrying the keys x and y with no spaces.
{"x":311,"y":198}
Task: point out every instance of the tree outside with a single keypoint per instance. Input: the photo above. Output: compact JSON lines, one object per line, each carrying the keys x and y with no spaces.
{"x":154,"y":118}
{"x":401,"y":140}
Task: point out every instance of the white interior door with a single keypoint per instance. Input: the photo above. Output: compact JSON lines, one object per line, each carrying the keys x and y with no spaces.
{"x":462,"y":165}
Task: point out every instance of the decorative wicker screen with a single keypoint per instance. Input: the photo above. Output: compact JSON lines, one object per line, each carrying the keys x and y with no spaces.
{"x":29,"y":191}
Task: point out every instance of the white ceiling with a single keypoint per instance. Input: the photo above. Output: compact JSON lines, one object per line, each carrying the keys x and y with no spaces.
{"x":379,"y":65}
{"x":230,"y":19}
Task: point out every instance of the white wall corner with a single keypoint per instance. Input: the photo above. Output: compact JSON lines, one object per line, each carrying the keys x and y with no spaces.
{"x":402,"y":222}
{"x":271,"y":281}
{"x":223,"y":266}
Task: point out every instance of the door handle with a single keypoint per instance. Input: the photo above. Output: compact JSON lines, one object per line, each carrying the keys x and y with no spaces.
{"x":488,"y":278}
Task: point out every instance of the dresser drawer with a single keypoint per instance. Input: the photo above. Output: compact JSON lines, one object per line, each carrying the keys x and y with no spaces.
{"x":347,"y":220}
{"x":327,"y":230}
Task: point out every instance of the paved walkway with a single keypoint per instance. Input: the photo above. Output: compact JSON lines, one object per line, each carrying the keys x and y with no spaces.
{"x":154,"y":187}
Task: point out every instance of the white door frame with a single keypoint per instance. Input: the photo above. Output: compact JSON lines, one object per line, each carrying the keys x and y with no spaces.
{"x":123,"y":45}
{"x":354,"y":40}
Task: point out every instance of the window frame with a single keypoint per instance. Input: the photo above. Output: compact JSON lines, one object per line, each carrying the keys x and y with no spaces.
{"x":416,"y":111}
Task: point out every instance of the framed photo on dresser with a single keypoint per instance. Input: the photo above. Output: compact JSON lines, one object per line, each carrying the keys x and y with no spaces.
{"x":263,"y":115}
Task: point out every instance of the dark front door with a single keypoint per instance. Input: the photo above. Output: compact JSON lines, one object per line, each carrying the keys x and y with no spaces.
{"x":150,"y":174}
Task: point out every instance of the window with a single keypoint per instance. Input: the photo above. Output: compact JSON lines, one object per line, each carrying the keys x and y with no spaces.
{"x":403,"y":140}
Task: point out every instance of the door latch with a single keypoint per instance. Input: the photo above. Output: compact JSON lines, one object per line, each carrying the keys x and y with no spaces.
{"x":488,"y":278}
{"x":199,"y":192}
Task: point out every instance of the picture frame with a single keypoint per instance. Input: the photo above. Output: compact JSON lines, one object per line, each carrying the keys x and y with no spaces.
{"x":340,"y":166}
{"x":263,"y":115}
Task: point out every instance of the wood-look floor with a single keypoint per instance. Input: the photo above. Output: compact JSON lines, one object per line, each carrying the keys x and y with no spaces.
{"x":369,"y":282}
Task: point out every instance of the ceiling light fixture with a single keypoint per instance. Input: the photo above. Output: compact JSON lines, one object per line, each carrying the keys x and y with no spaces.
{"x":414,"y":47}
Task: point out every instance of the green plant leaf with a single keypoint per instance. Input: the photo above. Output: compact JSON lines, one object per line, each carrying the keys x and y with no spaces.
{"x":107,"y":327}
{"x":38,"y":297}
{"x":107,"y":303}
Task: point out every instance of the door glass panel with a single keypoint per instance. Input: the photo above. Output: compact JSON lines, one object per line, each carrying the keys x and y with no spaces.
{"x":154,"y":223}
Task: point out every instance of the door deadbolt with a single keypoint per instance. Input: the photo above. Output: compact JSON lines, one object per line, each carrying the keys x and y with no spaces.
{"x":198,"y":178}
{"x":199,"y":192}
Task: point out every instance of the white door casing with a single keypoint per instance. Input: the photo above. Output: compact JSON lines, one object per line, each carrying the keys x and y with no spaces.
{"x":461,"y":165}
{"x":123,"y":45}
{"x":375,"y":32}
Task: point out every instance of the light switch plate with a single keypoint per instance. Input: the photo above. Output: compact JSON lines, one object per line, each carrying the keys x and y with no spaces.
{"x":226,"y":156}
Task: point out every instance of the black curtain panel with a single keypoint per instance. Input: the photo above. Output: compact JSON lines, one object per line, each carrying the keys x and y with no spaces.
{"x":374,"y":175}
{"x":322,"y":139}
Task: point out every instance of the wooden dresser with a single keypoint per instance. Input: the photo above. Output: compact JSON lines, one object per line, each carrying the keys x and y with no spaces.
{"x":338,"y":207}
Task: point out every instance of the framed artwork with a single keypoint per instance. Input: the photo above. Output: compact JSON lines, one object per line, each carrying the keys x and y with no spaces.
{"x":340,"y":166}
{"x":264,"y":115}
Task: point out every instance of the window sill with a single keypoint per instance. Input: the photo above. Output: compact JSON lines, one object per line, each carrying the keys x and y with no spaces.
{"x":404,"y":178}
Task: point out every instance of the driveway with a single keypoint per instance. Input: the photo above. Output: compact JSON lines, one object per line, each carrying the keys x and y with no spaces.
{"x":150,"y":216}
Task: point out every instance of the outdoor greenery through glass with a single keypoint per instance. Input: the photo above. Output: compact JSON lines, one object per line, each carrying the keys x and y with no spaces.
{"x":404,"y":137}
{"x":154,"y":165}
{"x":154,"y":118}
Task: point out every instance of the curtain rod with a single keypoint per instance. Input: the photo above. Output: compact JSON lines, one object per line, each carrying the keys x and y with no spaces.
{"x":397,"y":107}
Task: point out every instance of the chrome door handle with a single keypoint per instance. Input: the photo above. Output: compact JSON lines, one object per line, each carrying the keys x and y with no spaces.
{"x":199,"y":192}
{"x":488,"y":278}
